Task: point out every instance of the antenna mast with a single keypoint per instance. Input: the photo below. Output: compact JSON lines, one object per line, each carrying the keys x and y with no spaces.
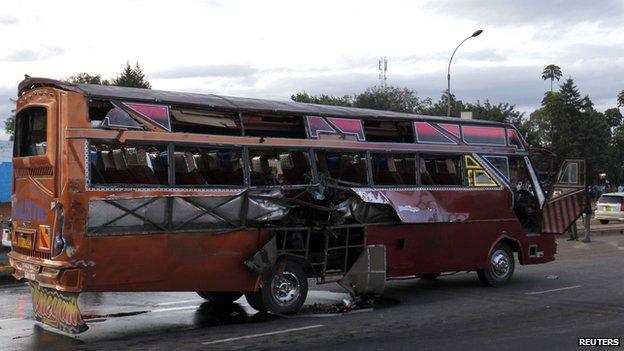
{"x":383,"y":69}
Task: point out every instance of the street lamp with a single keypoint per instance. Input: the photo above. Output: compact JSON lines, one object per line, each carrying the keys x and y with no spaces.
{"x":448,"y":72}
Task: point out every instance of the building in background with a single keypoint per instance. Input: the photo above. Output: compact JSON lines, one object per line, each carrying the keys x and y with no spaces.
{"x":6,"y":177}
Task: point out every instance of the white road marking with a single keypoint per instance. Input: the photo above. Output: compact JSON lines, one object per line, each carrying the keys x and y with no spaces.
{"x":11,"y":319}
{"x":177,"y":302}
{"x":552,"y":290}
{"x":175,"y":309}
{"x":261,"y":334}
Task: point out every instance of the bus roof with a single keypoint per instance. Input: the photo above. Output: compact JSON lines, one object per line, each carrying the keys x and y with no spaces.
{"x":228,"y":103}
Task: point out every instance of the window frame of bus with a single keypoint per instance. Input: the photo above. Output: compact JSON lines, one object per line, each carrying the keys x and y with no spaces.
{"x":170,"y":169}
{"x":417,"y":180}
{"x":369,"y":175}
{"x":461,"y":170}
{"x":312,"y":159}
{"x":46,"y":157}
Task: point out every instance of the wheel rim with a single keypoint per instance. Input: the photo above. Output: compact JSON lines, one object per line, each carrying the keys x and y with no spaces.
{"x":285,"y":288}
{"x":501,"y":263}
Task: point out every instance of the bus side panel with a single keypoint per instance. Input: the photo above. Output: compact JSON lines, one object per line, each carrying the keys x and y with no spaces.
{"x":173,"y":262}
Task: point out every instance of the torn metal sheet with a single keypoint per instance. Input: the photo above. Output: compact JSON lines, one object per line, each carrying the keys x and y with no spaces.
{"x":263,"y":209}
{"x":264,"y":259}
{"x":367,"y":276}
{"x":363,"y":212}
{"x":412,"y":206}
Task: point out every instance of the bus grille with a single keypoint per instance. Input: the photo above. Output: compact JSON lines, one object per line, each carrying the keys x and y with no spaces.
{"x":34,"y":172}
{"x":32,"y":252}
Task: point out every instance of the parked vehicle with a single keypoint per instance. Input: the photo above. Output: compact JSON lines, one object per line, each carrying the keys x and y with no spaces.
{"x":125,"y":189}
{"x":6,"y":234}
{"x":609,"y":208}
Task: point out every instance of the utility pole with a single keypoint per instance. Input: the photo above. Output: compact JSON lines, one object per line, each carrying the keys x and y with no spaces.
{"x":383,"y":69}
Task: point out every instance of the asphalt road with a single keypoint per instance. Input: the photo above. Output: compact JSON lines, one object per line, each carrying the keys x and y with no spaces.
{"x":545,"y":307}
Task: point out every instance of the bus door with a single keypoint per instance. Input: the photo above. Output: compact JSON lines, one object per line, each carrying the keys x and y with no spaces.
{"x":566,"y":198}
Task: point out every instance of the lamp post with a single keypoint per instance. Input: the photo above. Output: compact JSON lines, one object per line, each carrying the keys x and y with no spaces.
{"x":448,"y":72}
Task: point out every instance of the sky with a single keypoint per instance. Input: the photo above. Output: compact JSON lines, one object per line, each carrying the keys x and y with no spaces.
{"x":273,"y":49}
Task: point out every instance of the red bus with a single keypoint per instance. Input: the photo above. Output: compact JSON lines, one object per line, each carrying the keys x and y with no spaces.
{"x":125,"y":189}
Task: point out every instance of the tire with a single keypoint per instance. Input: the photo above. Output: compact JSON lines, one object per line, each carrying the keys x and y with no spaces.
{"x":220,"y":296}
{"x":500,"y":268}
{"x":254,"y":300}
{"x":604,"y":221}
{"x":431,"y":276}
{"x":282,"y":293}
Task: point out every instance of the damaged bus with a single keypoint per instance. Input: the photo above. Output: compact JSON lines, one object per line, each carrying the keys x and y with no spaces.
{"x":126,"y":189}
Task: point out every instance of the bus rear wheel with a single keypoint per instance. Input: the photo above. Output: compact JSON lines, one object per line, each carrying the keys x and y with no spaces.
{"x":220,"y":296}
{"x":281,"y":293}
{"x":500,"y":266}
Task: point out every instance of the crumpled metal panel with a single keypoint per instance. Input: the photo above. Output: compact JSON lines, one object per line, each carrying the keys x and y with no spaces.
{"x":412,"y":206}
{"x":367,"y":276}
{"x":355,"y":208}
{"x":263,"y":210}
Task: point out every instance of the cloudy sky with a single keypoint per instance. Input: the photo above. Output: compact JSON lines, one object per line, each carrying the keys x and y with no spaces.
{"x":272,"y":49}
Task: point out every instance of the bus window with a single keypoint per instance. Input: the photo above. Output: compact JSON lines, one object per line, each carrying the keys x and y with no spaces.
{"x":208,"y":166}
{"x":440,"y":170}
{"x":279,"y":167}
{"x":476,"y":174}
{"x":128,"y":164}
{"x":393,"y":169}
{"x":30,"y":132}
{"x":348,"y":167}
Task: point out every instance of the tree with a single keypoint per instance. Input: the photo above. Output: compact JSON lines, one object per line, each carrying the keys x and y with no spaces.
{"x":322,"y":99}
{"x":87,"y":78}
{"x":551,"y":72}
{"x":620,"y":99}
{"x":614,"y":117}
{"x":389,"y":98}
{"x":132,"y":77}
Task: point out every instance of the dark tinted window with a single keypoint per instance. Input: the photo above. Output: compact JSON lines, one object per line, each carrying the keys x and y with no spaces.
{"x":30,"y":132}
{"x":393,"y":169}
{"x":440,"y":170}
{"x":605,"y":199}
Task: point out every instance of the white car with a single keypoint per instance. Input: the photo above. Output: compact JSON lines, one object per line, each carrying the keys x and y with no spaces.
{"x":609,"y":208}
{"x":6,"y":234}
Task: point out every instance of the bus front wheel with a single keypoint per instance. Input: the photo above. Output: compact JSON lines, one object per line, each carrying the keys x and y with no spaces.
{"x":500,"y":266}
{"x":220,"y":296}
{"x":282,"y":293}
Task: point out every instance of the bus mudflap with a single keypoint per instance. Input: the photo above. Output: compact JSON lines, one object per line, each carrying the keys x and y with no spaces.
{"x":58,"y":309}
{"x":367,"y":275}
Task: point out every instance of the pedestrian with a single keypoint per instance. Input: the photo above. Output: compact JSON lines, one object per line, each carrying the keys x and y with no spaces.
{"x":573,"y":232}
{"x":620,"y":188}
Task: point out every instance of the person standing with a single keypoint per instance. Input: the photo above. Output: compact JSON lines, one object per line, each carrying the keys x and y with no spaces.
{"x":573,"y":232}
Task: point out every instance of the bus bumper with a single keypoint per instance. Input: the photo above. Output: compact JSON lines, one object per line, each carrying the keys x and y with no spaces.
{"x":54,"y":288}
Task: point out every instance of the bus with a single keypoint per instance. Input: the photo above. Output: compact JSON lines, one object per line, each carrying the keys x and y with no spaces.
{"x":127,"y":189}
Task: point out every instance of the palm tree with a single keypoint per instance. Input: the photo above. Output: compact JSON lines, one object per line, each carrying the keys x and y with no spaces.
{"x":620,"y":99}
{"x":551,"y":72}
